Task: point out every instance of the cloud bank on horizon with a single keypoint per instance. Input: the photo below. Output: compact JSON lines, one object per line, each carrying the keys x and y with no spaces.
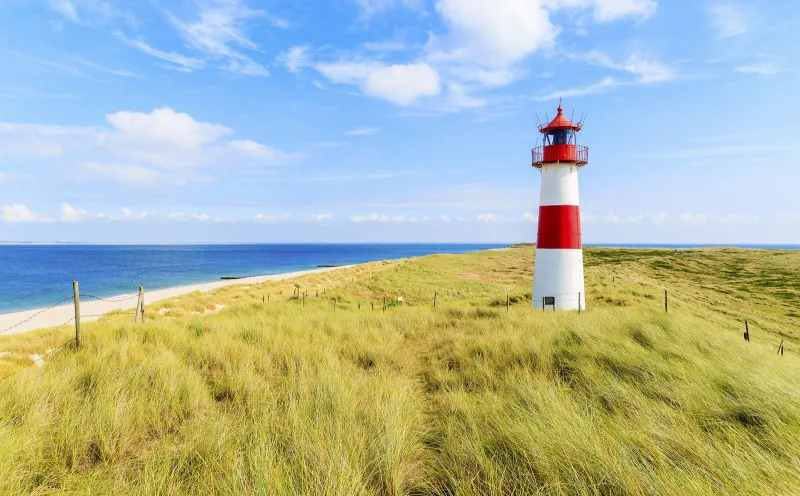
{"x":393,"y":120}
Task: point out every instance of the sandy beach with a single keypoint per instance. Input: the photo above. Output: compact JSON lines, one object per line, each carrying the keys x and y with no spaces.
{"x":60,"y":314}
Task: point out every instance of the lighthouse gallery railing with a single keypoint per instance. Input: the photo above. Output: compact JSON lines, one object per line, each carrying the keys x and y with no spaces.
{"x":560,"y":153}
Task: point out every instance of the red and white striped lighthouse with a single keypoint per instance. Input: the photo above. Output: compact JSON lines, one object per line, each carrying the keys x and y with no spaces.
{"x":558,"y":271}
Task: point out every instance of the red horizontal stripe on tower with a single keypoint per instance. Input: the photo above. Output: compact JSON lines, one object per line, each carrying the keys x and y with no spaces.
{"x":559,"y":227}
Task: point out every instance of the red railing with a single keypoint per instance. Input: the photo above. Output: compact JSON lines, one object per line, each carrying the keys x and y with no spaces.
{"x":560,"y":153}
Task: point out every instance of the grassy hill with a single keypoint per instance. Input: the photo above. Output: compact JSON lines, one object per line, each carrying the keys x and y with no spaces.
{"x":294,"y":397}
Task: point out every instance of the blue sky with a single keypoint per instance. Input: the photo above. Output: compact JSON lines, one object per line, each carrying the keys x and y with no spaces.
{"x":394,"y":120}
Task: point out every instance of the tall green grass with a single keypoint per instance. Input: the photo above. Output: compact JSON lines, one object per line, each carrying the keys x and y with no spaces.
{"x":465,"y":399}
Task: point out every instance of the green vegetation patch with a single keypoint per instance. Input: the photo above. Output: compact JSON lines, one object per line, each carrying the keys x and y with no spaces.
{"x":220,"y":393}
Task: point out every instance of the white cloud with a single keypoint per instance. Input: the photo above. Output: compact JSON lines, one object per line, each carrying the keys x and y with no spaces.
{"x":384,"y":46}
{"x":271,"y":219}
{"x":740,"y":218}
{"x":529,"y":217}
{"x":123,"y":173}
{"x":72,"y":214}
{"x":503,"y":32}
{"x":164,"y":125}
{"x":108,"y":70}
{"x":370,"y":8}
{"x":402,"y":218}
{"x":346,"y":72}
{"x":362,"y":131}
{"x":369,"y":218}
{"x":487,"y":40}
{"x":487,"y":218}
{"x":762,"y":69}
{"x":445,"y":218}
{"x":403,"y":84}
{"x":610,"y":10}
{"x":398,"y":83}
{"x":694,"y":218}
{"x":217,"y":33}
{"x":645,"y":70}
{"x":492,"y":33}
{"x":67,"y":214}
{"x":31,"y":140}
{"x":246,"y":67}
{"x":261,"y":152}
{"x":18,"y":213}
{"x":129,"y":214}
{"x":322,"y":217}
{"x":728,"y":20}
{"x":66,"y":9}
{"x":155,"y":148}
{"x":611,"y":218}
{"x":91,"y":11}
{"x":201,"y":217}
{"x":481,"y":47}
{"x":183,"y":62}
{"x":295,"y":58}
{"x":219,"y":27}
{"x":399,"y":218}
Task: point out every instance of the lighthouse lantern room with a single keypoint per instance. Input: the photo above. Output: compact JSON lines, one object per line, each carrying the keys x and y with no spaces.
{"x":558,"y":271}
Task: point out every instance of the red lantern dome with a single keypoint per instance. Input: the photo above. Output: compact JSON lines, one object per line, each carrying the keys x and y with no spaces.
{"x":560,"y":143}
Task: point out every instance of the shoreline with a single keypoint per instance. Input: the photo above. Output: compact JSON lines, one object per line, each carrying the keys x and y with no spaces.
{"x":58,"y":315}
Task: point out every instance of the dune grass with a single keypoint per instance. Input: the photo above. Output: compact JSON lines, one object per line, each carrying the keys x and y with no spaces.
{"x":223,"y":394}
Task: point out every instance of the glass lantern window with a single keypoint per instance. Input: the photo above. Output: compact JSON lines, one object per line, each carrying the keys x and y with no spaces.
{"x":561,"y":137}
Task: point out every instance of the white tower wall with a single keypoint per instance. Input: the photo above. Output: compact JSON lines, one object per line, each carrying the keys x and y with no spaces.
{"x":558,"y":272}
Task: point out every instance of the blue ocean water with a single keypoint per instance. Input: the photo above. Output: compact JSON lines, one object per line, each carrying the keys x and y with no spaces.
{"x":33,"y":276}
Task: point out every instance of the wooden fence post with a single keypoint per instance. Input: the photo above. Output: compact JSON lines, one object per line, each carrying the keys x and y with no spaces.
{"x":746,"y":332}
{"x":373,"y":306}
{"x":508,"y":304}
{"x":138,"y":307}
{"x":579,"y":303}
{"x":780,"y":348}
{"x":434,"y":300}
{"x":384,"y":303}
{"x":262,"y":299}
{"x":77,"y":298}
{"x":141,"y":288}
{"x":666,"y":302}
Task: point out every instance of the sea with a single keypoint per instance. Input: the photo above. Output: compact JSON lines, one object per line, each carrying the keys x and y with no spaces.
{"x":39,"y":275}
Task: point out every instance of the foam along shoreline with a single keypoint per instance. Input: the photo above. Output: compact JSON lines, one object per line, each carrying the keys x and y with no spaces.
{"x":60,"y":314}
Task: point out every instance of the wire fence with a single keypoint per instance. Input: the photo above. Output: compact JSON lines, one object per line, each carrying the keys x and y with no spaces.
{"x":36,"y":340}
{"x":36,"y":314}
{"x":107,"y":300}
{"x":298,"y":295}
{"x":76,"y":299}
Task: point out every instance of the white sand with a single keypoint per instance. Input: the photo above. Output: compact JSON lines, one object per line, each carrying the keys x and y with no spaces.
{"x":60,"y":314}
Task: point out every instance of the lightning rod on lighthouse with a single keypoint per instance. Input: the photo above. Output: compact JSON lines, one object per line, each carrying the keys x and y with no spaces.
{"x":558,"y":270}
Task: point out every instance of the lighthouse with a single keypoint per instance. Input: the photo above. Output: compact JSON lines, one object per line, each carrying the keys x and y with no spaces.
{"x":558,"y":270}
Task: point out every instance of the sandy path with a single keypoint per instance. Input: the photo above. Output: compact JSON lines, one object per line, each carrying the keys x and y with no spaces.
{"x":60,"y":314}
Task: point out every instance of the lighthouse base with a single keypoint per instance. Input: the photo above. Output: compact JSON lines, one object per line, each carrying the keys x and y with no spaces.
{"x":558,"y":280}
